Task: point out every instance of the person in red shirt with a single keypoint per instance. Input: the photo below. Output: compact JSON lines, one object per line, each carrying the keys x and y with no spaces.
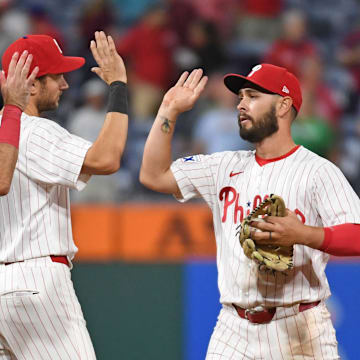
{"x":148,"y":48}
{"x":294,"y":48}
{"x":298,"y":53}
{"x":41,"y":23}
{"x":259,"y":20}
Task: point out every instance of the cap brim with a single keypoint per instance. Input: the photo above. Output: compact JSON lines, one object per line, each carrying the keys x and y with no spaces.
{"x":69,"y":63}
{"x":234,"y":82}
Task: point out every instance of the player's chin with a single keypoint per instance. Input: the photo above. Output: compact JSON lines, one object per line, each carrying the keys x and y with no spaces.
{"x":246,"y":123}
{"x":53,"y":106}
{"x":56,"y":102}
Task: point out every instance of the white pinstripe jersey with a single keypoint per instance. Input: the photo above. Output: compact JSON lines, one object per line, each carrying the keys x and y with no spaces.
{"x":233,"y":183}
{"x":35,"y":215}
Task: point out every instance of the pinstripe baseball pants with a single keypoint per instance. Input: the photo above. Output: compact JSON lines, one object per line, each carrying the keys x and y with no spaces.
{"x":40,"y":316}
{"x":290,"y":335}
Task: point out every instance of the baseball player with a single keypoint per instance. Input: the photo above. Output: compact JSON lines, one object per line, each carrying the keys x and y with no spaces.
{"x":15,"y":89}
{"x":40,"y":316}
{"x":264,"y":315}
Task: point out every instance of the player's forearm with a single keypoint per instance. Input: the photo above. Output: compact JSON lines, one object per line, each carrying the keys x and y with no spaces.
{"x":8,"y":158}
{"x":9,"y":143}
{"x":157,"y":156}
{"x":312,"y":236}
{"x":339,"y":240}
{"x":105,"y":154}
{"x":155,"y":171}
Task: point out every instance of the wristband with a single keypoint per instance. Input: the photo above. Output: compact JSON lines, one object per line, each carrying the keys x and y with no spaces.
{"x":342,"y":240}
{"x":118,"y":98}
{"x":10,"y":125}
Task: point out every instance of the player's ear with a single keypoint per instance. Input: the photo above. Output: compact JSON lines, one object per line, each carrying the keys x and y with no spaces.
{"x":35,"y":87}
{"x":284,"y":105}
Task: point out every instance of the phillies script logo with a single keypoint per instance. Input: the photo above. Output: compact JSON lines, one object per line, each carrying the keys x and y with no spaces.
{"x":230,"y":197}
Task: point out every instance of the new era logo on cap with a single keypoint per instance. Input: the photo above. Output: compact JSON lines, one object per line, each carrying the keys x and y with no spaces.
{"x":271,"y":78}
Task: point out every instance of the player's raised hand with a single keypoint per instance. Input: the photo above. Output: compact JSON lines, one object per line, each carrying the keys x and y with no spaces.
{"x":16,"y":86}
{"x":186,"y":91}
{"x":110,"y":64}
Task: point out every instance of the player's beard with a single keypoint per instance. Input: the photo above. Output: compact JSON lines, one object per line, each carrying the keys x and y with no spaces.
{"x":261,"y":128}
{"x":45,"y":101}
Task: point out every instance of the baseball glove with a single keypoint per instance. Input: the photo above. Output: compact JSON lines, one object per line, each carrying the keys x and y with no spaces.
{"x":269,"y":257}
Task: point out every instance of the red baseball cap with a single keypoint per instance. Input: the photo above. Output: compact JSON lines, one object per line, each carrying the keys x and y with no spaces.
{"x":271,"y":78}
{"x":47,"y":55}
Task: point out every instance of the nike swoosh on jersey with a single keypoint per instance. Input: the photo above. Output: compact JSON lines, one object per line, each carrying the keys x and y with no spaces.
{"x":235,"y":173}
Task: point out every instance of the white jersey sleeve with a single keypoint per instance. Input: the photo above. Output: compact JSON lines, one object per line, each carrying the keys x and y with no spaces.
{"x":194,"y":177}
{"x":337,"y":203}
{"x":53,"y":155}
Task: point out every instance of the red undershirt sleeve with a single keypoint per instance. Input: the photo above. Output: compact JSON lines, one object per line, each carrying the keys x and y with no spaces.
{"x":342,"y":240}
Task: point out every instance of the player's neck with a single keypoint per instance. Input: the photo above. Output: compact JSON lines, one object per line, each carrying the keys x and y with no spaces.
{"x":31,"y":110}
{"x":274,"y":146}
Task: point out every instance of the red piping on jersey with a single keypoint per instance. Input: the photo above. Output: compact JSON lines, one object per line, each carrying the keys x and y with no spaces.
{"x":263,"y":162}
{"x":342,"y":240}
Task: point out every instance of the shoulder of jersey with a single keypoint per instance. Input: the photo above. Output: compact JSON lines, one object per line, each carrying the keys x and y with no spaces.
{"x":36,"y":119}
{"x":312,"y":159}
{"x":238,"y":154}
{"x":33,"y":118}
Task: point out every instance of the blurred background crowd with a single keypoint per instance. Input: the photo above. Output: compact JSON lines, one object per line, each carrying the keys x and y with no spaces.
{"x":317,"y":40}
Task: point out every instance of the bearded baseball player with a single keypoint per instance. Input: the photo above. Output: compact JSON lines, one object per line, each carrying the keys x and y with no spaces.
{"x":266,"y":314}
{"x":40,"y":316}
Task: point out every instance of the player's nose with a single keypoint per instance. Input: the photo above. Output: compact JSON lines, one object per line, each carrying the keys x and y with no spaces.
{"x":242,"y":105}
{"x":63,"y":84}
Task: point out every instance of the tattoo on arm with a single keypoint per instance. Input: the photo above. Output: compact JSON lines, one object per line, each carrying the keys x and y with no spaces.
{"x":166,"y":125}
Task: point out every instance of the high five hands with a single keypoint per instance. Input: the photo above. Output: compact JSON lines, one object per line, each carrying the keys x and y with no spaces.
{"x":16,"y":86}
{"x":186,"y":92}
{"x":110,"y":64}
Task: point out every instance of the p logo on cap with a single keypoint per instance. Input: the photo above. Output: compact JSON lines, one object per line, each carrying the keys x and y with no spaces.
{"x":255,"y":68}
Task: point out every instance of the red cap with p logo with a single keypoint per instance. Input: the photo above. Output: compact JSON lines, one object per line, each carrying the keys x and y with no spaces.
{"x":47,"y":55}
{"x":275,"y":79}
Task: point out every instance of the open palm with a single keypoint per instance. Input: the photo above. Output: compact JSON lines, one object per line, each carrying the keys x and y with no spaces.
{"x":186,"y":91}
{"x":16,"y":86}
{"x":110,"y":64}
